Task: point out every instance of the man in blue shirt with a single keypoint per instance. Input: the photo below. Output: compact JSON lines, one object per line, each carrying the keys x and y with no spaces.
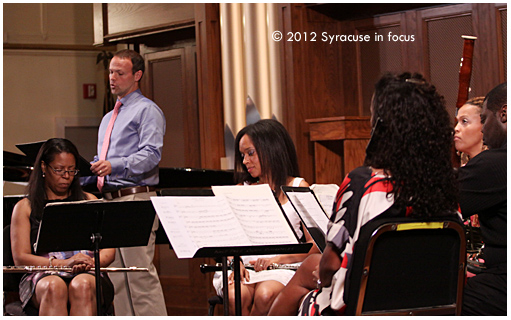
{"x":127,"y":169}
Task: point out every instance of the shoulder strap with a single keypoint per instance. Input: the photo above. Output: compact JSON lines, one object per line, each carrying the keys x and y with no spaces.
{"x":297,"y":181}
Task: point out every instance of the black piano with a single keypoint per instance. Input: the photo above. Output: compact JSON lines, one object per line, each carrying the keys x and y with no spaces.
{"x":17,"y":168}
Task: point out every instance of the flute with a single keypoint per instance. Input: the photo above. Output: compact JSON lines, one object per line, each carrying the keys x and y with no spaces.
{"x":274,"y":266}
{"x":28,"y":269}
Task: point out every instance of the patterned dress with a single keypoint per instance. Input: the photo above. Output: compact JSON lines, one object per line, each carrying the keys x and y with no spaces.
{"x":361,"y":197}
{"x":29,"y":281}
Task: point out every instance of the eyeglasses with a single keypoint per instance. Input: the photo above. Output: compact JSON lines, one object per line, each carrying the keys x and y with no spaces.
{"x":62,"y":172}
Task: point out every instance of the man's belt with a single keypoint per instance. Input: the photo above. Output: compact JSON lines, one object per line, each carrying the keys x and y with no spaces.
{"x":126,"y":192}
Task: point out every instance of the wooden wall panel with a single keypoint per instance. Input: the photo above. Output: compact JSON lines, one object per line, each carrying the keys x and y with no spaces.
{"x":130,"y":17}
{"x":209,"y":84}
{"x":312,"y":89}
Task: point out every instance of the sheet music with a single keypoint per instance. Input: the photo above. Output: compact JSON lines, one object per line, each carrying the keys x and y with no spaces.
{"x":309,"y":210}
{"x":233,"y":217}
{"x":192,"y":223}
{"x":326,"y":195}
{"x":258,"y":213}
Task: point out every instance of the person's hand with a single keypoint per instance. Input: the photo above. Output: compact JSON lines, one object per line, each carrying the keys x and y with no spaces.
{"x":315,"y":276}
{"x":80,"y":268}
{"x":262,"y":263}
{"x":80,"y":262}
{"x":101,"y":168}
{"x":244,"y":275}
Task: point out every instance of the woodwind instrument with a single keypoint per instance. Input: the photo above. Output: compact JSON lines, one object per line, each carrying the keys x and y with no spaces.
{"x":29,"y":269}
{"x":464,"y":82}
{"x":218,"y":267}
{"x":465,"y":70}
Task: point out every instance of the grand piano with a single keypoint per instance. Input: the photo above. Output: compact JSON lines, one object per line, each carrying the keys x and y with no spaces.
{"x":17,"y":169}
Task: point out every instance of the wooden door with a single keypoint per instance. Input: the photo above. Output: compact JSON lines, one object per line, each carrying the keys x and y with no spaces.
{"x":171,"y":83}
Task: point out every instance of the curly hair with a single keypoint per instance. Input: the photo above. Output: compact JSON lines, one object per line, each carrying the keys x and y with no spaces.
{"x":276,"y":152}
{"x":36,"y":185}
{"x":414,"y":144}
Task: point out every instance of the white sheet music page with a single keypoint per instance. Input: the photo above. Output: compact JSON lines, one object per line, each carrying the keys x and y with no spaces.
{"x":192,"y":223}
{"x":309,"y":210}
{"x":259,"y":214}
{"x":326,"y":195}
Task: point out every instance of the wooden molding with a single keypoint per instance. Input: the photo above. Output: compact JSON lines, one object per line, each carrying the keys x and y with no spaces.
{"x":61,"y":47}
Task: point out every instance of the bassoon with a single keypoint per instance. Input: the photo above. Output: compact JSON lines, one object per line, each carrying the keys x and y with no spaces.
{"x":465,"y":70}
{"x":464,"y":80}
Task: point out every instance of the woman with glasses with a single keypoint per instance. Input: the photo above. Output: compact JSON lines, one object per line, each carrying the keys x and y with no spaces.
{"x":55,"y":179}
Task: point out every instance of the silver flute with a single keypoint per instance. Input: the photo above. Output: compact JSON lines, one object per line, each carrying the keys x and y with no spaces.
{"x":29,"y":269}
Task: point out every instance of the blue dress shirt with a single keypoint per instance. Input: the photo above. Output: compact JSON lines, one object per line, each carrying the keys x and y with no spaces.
{"x":135,"y":144}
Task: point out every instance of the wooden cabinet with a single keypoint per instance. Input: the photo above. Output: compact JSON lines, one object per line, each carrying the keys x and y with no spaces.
{"x":121,"y":21}
{"x":339,"y":146}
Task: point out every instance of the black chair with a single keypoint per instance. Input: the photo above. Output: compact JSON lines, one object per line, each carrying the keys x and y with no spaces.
{"x":407,"y":267}
{"x":12,"y":304}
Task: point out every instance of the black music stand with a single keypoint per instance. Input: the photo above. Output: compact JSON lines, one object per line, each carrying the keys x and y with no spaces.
{"x":236,"y":252}
{"x":94,"y":225}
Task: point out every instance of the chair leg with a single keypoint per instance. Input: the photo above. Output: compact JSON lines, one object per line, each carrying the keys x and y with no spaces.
{"x":213,"y":301}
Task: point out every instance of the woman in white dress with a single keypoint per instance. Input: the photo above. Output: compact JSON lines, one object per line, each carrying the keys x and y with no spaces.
{"x":266,"y":155}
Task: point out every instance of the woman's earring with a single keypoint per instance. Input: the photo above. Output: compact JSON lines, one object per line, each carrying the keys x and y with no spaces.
{"x":44,"y":175}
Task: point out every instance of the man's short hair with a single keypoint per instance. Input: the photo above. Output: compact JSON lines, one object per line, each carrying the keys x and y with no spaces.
{"x":136,"y":59}
{"x":496,"y":98}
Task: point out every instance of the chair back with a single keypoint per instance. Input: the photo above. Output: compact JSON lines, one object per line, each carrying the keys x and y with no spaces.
{"x":10,"y":280}
{"x":404,"y":266}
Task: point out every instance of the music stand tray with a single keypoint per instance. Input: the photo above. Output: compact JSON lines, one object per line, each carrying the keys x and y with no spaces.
{"x":94,"y":225}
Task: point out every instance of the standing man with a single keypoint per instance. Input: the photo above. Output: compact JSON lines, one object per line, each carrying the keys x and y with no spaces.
{"x":130,"y":142}
{"x":483,"y":191}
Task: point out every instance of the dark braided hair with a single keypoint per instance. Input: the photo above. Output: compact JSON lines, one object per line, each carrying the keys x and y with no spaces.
{"x":414,"y":144}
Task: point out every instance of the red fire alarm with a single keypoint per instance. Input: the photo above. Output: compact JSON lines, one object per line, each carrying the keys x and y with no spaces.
{"x":89,"y":91}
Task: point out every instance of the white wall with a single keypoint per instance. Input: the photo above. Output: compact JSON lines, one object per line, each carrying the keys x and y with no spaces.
{"x":40,"y":86}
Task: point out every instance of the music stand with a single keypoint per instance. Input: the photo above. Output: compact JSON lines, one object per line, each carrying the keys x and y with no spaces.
{"x":94,"y":225}
{"x":236,"y":252}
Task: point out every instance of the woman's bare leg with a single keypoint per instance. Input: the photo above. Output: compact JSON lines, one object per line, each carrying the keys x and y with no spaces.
{"x":288,"y":301}
{"x":82,"y":295}
{"x":51,"y":296}
{"x":247,"y":297}
{"x":265,"y":294}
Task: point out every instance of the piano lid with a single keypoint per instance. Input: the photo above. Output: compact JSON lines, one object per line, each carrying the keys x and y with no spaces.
{"x":194,"y":178}
{"x":31,"y":149}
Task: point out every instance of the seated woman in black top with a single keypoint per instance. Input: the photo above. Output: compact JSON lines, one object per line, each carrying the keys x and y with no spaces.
{"x":54,"y":178}
{"x":483,"y":191}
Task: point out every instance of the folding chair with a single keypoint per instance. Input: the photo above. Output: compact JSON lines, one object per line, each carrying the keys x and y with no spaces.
{"x":407,"y":267}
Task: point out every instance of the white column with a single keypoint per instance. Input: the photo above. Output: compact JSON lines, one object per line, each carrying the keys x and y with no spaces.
{"x":233,"y":73}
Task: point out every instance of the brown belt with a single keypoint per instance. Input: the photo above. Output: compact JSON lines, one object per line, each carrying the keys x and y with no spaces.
{"x":126,"y":192}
